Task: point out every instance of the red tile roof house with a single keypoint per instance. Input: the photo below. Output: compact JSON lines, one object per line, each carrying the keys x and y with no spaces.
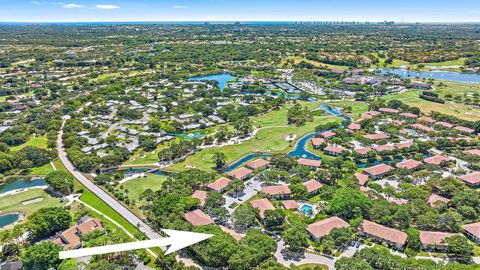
{"x":388,"y":110}
{"x":403,"y":145}
{"x":377,"y":136}
{"x":465,"y":130}
{"x":322,"y":228}
{"x":381,"y":148}
{"x":70,"y":238}
{"x":240,"y":173}
{"x":472,"y":231}
{"x":309,"y":163}
{"x":200,"y":195}
{"x":333,"y":150}
{"x":394,"y":238}
{"x":354,"y":126}
{"x":313,"y":187}
{"x":435,"y":200}
{"x":377,"y":171}
{"x":422,"y":127}
{"x":472,"y":179}
{"x":427,"y":120}
{"x":362,"y":152}
{"x":434,"y":241}
{"x":290,"y":205}
{"x":436,"y":160}
{"x":198,"y":218}
{"x":220,"y":185}
{"x":328,"y":134}
{"x":473,"y":152}
{"x":409,"y":115}
{"x":258,"y":164}
{"x":409,"y":164}
{"x":361,"y":178}
{"x":318,"y":143}
{"x":262,"y":205}
{"x":444,"y":124}
{"x":277,"y":192}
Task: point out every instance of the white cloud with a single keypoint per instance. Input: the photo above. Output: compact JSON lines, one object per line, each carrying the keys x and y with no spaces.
{"x":72,"y":6}
{"x":180,"y":7}
{"x":107,"y":6}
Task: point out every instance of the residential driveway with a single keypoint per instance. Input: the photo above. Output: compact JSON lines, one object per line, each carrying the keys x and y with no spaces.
{"x":251,"y":188}
{"x":306,"y":258}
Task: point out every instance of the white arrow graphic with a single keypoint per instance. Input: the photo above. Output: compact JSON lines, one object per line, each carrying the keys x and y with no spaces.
{"x":176,"y":240}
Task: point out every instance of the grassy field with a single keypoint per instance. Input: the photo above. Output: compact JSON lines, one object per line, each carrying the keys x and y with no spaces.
{"x":457,"y":62}
{"x":412,"y":98}
{"x":311,"y":266}
{"x":270,"y":138}
{"x":43,"y":170}
{"x":457,"y":89}
{"x":318,"y":64}
{"x":40,"y":142}
{"x":137,"y":186}
{"x":13,"y":203}
{"x":357,"y":107}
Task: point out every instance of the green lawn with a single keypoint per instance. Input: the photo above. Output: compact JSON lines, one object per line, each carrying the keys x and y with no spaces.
{"x":412,"y":98}
{"x":311,"y":266}
{"x":457,"y":62}
{"x":357,"y":107}
{"x":39,"y":141}
{"x":13,"y":203}
{"x":137,"y":186}
{"x":316,"y":63}
{"x":271,"y":139}
{"x":43,"y":170}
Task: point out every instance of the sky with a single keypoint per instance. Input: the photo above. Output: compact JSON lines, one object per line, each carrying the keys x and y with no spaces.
{"x":239,"y":10}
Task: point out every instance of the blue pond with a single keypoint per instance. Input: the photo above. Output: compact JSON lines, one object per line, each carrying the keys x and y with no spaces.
{"x":242,"y":161}
{"x":21,"y":183}
{"x":8,"y":219}
{"x":221,"y":79}
{"x":436,"y":74}
{"x":139,"y":170}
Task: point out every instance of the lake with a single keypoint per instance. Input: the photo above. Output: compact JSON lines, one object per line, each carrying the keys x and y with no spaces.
{"x":20,"y":184}
{"x":221,"y":79}
{"x":436,"y":74}
{"x":8,"y":219}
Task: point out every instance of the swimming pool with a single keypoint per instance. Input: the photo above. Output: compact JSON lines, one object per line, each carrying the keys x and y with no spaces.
{"x":307,"y":210}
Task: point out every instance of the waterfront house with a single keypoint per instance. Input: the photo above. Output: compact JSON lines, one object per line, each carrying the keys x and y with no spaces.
{"x":377,"y":171}
{"x":394,"y":238}
{"x":240,"y":173}
{"x":219,"y":185}
{"x":333,"y":150}
{"x":322,"y":228}
{"x":327,"y":135}
{"x":318,"y":143}
{"x":309,"y":163}
{"x":258,"y":164}
{"x":262,"y":205}
{"x":198,"y":218}
{"x":277,"y":192}
{"x":313,"y":187}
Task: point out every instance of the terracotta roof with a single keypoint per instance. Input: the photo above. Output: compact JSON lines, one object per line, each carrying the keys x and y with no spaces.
{"x":198,"y":218}
{"x":436,"y":160}
{"x":70,"y":237}
{"x":388,"y":110}
{"x":471,"y":178}
{"x":403,"y":145}
{"x":376,"y":136}
{"x":334,"y":149}
{"x":385,"y":233}
{"x":373,"y":113}
{"x":473,"y":229}
{"x":290,"y":204}
{"x":276,"y":190}
{"x":434,"y":238}
{"x":398,"y":122}
{"x":309,"y":162}
{"x":444,"y":124}
{"x":232,"y":233}
{"x":201,"y":195}
{"x":427,"y":120}
{"x":362,"y":151}
{"x":317,"y":141}
{"x":262,"y":205}
{"x":312,"y":185}
{"x":240,"y":173}
{"x":378,"y":169}
{"x":409,"y":115}
{"x":90,"y":225}
{"x":434,"y":198}
{"x":362,"y":178}
{"x":324,"y":227}
{"x":422,"y":127}
{"x":465,"y":129}
{"x":327,"y":134}
{"x":408,"y":164}
{"x":381,"y":148}
{"x":354,"y":126}
{"x":257,"y":164}
{"x":473,"y":152}
{"x":219,"y":184}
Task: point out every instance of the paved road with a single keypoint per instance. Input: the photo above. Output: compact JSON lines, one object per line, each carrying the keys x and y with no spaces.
{"x":308,"y":258}
{"x":119,"y":208}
